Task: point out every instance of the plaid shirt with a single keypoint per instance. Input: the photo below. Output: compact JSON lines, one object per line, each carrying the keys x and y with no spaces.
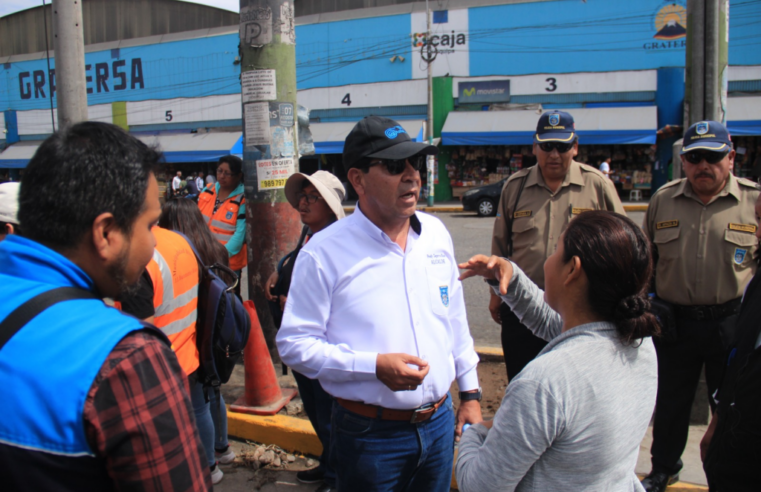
{"x":139,"y":419}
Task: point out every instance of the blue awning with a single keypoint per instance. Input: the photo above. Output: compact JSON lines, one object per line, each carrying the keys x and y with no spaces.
{"x":743,"y":116}
{"x":195,"y":147}
{"x":329,"y":137}
{"x":620,"y":125}
{"x":17,"y":156}
{"x":744,"y":128}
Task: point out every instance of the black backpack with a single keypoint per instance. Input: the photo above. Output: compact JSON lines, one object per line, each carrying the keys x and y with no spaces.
{"x":223,"y":324}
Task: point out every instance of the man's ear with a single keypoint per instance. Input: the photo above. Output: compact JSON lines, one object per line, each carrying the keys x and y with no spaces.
{"x":107,"y":238}
{"x":357,"y":179}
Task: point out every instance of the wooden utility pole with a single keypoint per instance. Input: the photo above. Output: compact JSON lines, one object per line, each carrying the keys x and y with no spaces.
{"x":69,"y":46}
{"x":270,"y":147}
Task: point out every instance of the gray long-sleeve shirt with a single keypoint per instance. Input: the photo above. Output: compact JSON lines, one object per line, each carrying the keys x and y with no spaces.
{"x":573,"y":419}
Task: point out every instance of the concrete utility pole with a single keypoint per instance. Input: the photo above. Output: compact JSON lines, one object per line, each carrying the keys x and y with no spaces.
{"x":69,"y":46}
{"x":429,"y":126}
{"x":707,"y":61}
{"x":270,"y":147}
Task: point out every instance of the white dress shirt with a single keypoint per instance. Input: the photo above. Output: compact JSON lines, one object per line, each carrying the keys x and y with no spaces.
{"x":176,"y":183}
{"x":354,"y":294}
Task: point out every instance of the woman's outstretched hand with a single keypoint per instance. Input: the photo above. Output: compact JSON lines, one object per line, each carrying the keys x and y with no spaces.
{"x":489,"y":268}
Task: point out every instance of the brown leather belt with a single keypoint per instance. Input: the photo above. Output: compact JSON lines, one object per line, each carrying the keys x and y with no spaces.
{"x":375,"y":412}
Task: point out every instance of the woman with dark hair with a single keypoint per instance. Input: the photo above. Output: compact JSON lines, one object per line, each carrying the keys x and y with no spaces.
{"x":183,"y":216}
{"x":574,"y":418}
{"x":223,"y":206}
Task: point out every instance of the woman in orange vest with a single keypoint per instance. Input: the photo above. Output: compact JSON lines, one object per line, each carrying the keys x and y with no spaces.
{"x":167,"y":296}
{"x":223,"y":206}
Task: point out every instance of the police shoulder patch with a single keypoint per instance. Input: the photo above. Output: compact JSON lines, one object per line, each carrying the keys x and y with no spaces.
{"x":751,"y":228}
{"x":739,"y":255}
{"x":666,"y":224}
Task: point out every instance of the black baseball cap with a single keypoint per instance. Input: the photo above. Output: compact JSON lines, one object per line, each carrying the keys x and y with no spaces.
{"x":555,"y":126}
{"x":381,"y":138}
{"x":706,"y":135}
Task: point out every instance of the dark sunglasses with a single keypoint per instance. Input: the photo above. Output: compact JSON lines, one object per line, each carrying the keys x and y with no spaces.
{"x":560,"y":146}
{"x":397,"y":166}
{"x":696,"y":157}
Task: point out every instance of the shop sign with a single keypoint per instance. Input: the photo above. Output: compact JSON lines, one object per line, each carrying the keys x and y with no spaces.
{"x":484,"y":92}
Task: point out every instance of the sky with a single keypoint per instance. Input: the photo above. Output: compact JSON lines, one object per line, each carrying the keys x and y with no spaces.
{"x":11,"y":6}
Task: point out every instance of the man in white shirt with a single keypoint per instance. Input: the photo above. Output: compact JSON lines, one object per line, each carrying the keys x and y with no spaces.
{"x":177,"y":182}
{"x":376,"y":313}
{"x":605,"y":167}
{"x":199,"y":182}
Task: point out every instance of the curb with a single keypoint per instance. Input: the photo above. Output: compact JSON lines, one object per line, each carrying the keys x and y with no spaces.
{"x":458,"y":208}
{"x":298,"y":436}
{"x":291,"y":434}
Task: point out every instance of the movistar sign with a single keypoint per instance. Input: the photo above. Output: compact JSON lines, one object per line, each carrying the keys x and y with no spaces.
{"x":484,"y":92}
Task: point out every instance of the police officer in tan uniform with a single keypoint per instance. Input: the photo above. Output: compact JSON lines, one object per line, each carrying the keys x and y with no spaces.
{"x":703,"y":231}
{"x":537,"y":204}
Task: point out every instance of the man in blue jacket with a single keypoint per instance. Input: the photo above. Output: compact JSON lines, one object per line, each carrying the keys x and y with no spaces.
{"x":94,"y":399}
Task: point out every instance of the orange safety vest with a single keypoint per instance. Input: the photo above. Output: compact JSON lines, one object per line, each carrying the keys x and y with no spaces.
{"x":174,"y":272}
{"x":224,"y":221}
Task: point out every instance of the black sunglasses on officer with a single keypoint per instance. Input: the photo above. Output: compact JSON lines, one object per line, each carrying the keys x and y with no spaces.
{"x":561,"y":147}
{"x":698,"y":156}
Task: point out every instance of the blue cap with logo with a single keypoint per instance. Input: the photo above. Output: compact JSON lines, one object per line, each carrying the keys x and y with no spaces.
{"x":555,"y":126}
{"x":707,"y":135}
{"x":377,"y":137}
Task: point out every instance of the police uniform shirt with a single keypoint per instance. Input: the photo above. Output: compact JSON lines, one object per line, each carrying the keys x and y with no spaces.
{"x":541,"y":215}
{"x":355,"y":294}
{"x":705,"y":251}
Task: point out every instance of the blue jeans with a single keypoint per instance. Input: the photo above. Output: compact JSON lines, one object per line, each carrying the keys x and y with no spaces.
{"x":318,"y":405}
{"x":383,"y":455}
{"x":203,"y":419}
{"x":219,"y":417}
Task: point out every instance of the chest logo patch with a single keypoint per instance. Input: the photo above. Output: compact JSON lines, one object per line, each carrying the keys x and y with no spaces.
{"x":229,"y":215}
{"x":577,"y":211}
{"x":666,"y":224}
{"x":522,"y":213}
{"x":444,"y":291}
{"x":740,"y":255}
{"x":743,"y":228}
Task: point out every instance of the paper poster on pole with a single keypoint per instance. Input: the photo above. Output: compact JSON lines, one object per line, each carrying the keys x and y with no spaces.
{"x":256,"y":117}
{"x":273,"y":173}
{"x":258,"y":85}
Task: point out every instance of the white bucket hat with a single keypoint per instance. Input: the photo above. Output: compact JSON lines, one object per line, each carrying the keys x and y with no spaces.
{"x":330,"y":188}
{"x":9,"y":202}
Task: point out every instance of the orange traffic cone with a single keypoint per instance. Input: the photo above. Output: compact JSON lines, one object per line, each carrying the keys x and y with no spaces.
{"x":263,"y":396}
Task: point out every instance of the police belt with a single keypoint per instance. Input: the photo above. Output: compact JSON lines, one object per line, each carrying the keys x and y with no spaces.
{"x":708,"y":313}
{"x":375,"y":412}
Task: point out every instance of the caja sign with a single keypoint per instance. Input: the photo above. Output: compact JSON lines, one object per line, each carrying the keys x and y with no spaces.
{"x":448,"y":40}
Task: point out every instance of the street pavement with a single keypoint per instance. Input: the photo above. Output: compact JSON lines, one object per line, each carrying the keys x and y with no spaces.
{"x":471,"y":235}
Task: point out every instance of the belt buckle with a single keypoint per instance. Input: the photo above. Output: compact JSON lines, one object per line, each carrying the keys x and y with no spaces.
{"x":418,"y":411}
{"x":699,"y":315}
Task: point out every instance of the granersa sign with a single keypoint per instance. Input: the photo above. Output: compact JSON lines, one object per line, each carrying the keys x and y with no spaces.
{"x":117,"y":75}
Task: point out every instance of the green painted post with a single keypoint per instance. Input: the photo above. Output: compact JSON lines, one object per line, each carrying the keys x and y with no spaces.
{"x":443,"y":103}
